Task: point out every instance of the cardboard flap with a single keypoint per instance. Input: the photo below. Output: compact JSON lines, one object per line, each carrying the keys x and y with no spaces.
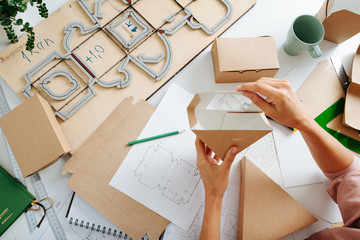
{"x":355,"y":74}
{"x":341,"y":25}
{"x":264,"y":203}
{"x":242,"y":53}
{"x":191,"y":110}
{"x":352,"y":103}
{"x":34,"y":135}
{"x":325,"y":10}
{"x":97,"y":160}
{"x":220,"y":141}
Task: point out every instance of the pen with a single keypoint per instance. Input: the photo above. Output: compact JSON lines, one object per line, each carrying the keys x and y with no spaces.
{"x":155,"y":137}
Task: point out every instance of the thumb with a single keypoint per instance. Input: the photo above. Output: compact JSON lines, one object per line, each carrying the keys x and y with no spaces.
{"x":230,"y":156}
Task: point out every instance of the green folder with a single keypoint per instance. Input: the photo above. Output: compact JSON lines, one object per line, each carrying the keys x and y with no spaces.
{"x":14,"y":200}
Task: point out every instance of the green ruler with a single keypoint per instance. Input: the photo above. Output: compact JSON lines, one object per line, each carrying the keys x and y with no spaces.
{"x":328,"y":115}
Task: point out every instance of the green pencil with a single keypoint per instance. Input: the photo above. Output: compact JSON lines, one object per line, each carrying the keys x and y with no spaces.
{"x":155,"y":137}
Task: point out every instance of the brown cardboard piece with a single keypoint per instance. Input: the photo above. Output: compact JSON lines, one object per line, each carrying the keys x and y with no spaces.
{"x":221,"y":129}
{"x":237,"y":59}
{"x":96,"y":161}
{"x":266,"y":210}
{"x":325,"y":78}
{"x":352,"y":103}
{"x":340,"y":25}
{"x":34,"y":135}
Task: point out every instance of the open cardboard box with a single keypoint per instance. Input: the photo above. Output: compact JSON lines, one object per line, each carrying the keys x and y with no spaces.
{"x":237,"y":59}
{"x":352,"y":102}
{"x":34,"y":135}
{"x":225,"y":119}
{"x":340,"y":25}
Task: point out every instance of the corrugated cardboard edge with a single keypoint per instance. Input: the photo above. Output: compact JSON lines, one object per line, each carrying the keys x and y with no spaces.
{"x":129,"y":215}
{"x":215,"y":58}
{"x":352,"y":103}
{"x":281,"y":219}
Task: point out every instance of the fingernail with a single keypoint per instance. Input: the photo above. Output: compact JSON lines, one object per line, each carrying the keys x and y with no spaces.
{"x":235,"y":150}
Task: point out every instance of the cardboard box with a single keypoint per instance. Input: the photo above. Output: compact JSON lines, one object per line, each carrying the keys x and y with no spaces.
{"x":96,"y":161}
{"x":352,"y":102}
{"x":340,"y":25}
{"x":34,"y":135}
{"x":244,"y":59}
{"x":264,"y":203}
{"x":225,"y":119}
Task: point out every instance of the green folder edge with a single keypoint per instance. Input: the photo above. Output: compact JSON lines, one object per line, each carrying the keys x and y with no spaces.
{"x":22,"y":190}
{"x":328,"y":115}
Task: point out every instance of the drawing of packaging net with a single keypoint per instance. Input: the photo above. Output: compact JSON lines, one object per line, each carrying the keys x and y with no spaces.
{"x":177,"y":181}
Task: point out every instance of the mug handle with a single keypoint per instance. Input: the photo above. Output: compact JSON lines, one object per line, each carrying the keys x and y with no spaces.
{"x":315,"y":51}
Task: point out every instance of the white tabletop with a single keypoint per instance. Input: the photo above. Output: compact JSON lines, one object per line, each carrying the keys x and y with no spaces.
{"x":267,"y":17}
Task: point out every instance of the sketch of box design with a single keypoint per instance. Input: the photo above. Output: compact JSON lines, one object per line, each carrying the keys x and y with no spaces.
{"x":177,"y":181}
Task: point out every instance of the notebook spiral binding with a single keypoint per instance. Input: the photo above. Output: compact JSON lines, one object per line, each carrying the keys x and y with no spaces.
{"x":103,"y":230}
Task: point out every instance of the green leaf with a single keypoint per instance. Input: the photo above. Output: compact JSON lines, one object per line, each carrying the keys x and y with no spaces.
{"x":27,"y":24}
{"x":19,"y":22}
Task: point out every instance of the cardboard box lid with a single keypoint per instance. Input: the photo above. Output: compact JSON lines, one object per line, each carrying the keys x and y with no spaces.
{"x":352,"y":103}
{"x":96,"y":161}
{"x":236,"y":54}
{"x":340,"y":25}
{"x":34,"y":135}
{"x":264,"y":203}
{"x":220,"y":120}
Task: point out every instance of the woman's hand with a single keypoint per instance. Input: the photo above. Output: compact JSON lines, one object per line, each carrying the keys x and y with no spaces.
{"x":281,"y":103}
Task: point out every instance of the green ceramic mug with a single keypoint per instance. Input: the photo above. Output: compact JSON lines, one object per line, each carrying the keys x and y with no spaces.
{"x":305,"y":33}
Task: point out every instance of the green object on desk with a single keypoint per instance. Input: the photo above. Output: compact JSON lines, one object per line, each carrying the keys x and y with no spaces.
{"x":14,"y":200}
{"x":155,"y":137}
{"x":329,"y":114}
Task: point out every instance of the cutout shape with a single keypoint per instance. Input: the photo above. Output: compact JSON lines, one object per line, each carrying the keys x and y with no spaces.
{"x":266,"y":210}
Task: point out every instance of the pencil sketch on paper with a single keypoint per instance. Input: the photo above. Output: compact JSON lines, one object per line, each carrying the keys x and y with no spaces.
{"x":231,"y":210}
{"x":229,"y":102}
{"x":110,"y":44}
{"x":176,"y":180}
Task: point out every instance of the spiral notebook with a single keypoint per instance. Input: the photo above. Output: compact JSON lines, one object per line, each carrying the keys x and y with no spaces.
{"x":87,"y":220}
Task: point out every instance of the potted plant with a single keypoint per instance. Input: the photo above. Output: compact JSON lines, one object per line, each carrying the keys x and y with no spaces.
{"x":8,"y":11}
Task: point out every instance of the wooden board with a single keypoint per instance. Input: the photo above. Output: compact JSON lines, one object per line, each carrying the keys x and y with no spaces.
{"x":104,"y":54}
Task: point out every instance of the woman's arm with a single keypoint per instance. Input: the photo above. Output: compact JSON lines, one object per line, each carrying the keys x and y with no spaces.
{"x":282,"y":105}
{"x":216,"y":179}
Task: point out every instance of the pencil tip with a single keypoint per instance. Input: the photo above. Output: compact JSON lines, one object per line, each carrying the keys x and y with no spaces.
{"x":180,"y":131}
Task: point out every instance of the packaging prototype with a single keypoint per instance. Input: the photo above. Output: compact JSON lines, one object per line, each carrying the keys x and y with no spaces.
{"x":351,"y":112}
{"x":225,"y":119}
{"x":244,"y":59}
{"x":34,"y":135}
{"x":340,"y":25}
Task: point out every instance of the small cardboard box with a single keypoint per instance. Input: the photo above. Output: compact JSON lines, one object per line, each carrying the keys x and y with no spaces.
{"x":340,"y":25}
{"x":34,"y":135}
{"x":225,"y":119}
{"x":352,"y":102}
{"x":244,"y":59}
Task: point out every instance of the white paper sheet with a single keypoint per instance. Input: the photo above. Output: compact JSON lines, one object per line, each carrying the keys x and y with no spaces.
{"x":161,"y":174}
{"x":263,"y":154}
{"x":297,"y":165}
{"x":316,"y":199}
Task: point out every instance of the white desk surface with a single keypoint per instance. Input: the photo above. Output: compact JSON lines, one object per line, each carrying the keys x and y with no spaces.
{"x":267,"y":17}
